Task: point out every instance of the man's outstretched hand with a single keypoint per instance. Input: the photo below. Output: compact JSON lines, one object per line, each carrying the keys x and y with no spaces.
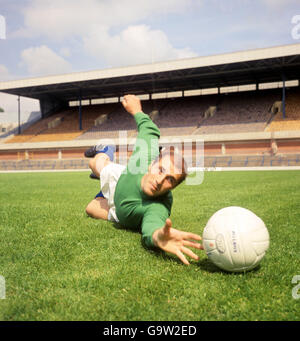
{"x":176,"y":241}
{"x":132,"y":104}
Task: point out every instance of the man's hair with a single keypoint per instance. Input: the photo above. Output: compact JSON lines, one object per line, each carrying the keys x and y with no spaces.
{"x":177,"y":159}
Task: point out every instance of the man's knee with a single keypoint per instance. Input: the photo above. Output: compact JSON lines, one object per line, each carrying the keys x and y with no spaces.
{"x":98,"y":209}
{"x":89,"y":210}
{"x":91,"y":163}
{"x":98,"y":163}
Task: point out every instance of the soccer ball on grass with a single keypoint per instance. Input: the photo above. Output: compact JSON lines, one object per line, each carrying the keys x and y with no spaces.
{"x":235,"y":239}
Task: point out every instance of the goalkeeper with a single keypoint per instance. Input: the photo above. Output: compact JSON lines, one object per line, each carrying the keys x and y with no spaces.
{"x":139,"y":196}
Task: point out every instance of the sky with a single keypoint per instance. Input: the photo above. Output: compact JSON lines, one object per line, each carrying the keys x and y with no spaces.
{"x":45,"y":37}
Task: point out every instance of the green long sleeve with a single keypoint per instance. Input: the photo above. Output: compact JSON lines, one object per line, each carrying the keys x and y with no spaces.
{"x":134,"y":209}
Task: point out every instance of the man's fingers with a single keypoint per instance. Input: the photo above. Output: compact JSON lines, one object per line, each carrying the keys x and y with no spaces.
{"x":181,"y":256}
{"x":192,"y":244}
{"x":189,"y":235}
{"x":124,"y":103}
{"x":125,"y":100}
{"x":168,"y":222}
{"x":189,"y":252}
{"x":167,"y":226}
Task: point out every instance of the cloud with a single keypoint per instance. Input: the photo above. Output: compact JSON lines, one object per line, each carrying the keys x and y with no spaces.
{"x":65,"y":51}
{"x":134,"y":45}
{"x":4,"y":74}
{"x":59,"y":19}
{"x":234,"y":5}
{"x":88,"y":25}
{"x":277,"y":4}
{"x":41,"y":61}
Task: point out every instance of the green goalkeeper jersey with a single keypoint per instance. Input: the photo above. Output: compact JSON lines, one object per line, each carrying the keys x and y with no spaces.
{"x":134,"y":209}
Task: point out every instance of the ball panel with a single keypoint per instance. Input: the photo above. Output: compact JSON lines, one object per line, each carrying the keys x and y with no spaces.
{"x":235,"y":239}
{"x":208,"y":244}
{"x":209,"y":231}
{"x":222,"y":262}
{"x":260,"y":247}
{"x":213,"y":255}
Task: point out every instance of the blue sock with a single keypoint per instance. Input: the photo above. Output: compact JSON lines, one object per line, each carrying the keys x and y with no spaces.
{"x":99,"y":195}
{"x":109,"y":151}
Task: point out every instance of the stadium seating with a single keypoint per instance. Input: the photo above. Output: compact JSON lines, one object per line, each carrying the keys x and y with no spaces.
{"x":34,"y":130}
{"x":117,"y":120}
{"x":62,"y":126}
{"x":292,"y":117}
{"x":200,"y":115}
{"x":240,"y":112}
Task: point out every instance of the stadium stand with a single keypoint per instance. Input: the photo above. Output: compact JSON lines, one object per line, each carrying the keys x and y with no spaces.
{"x":197,"y":115}
{"x":37,"y":131}
{"x":182,"y":116}
{"x":240,"y":112}
{"x":62,"y":126}
{"x":239,"y":129}
{"x":173,"y":116}
{"x":291,"y":121}
{"x":117,"y":120}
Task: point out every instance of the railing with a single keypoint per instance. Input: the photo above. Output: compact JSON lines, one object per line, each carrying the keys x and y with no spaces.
{"x":209,"y":161}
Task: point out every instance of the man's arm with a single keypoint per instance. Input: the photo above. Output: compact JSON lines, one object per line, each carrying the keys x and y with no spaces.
{"x":146,"y":147}
{"x":132,"y":104}
{"x":165,"y":237}
{"x":175,"y":241}
{"x":146,"y":127}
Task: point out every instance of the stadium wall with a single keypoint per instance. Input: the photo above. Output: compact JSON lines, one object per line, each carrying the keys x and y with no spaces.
{"x":219,"y":146}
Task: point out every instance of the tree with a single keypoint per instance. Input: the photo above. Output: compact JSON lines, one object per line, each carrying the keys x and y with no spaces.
{"x":1,"y":110}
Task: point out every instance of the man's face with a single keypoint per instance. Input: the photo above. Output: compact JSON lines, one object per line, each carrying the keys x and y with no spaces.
{"x":162,"y":176}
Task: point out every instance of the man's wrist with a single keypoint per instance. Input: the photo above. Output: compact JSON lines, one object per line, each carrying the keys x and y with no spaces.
{"x":133,"y":113}
{"x":155,"y":237}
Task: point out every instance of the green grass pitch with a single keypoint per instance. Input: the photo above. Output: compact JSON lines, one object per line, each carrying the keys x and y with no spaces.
{"x":58,"y":264}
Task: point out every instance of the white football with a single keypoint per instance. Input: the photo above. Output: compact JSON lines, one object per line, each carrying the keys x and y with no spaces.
{"x":235,"y":239}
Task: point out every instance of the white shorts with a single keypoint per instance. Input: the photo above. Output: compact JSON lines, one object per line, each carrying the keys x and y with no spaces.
{"x":109,"y":177}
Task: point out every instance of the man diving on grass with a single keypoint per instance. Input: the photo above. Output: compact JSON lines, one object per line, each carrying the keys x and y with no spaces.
{"x":139,"y":196}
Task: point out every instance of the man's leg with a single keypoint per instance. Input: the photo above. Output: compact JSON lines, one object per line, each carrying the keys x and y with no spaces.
{"x":98,"y":208}
{"x":98,"y":162}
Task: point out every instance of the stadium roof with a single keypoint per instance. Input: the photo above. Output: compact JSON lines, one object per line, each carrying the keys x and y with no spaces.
{"x":230,"y":69}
